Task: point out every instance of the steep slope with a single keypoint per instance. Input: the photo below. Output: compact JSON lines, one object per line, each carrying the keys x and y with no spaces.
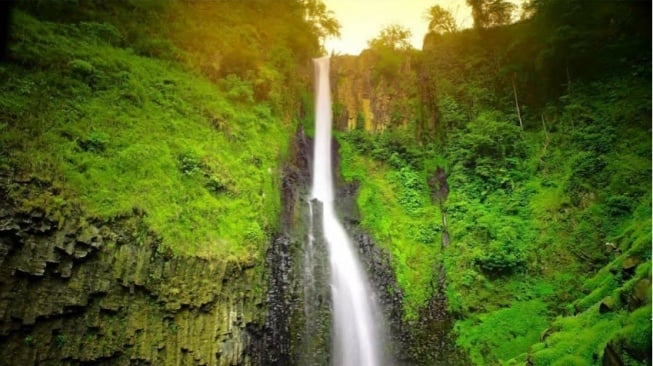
{"x":138,"y":201}
{"x":545,"y":145}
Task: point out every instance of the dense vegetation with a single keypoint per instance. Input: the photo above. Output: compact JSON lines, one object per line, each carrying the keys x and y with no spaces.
{"x":176,"y":110}
{"x":181,"y":112}
{"x":545,"y":138}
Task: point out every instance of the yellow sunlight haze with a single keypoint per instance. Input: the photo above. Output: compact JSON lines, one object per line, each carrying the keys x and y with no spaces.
{"x":362,"y":20}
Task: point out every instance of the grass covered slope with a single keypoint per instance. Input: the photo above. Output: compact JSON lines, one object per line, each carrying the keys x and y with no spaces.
{"x":553,"y":230}
{"x":550,"y":255}
{"x":396,"y":208}
{"x":117,"y":132}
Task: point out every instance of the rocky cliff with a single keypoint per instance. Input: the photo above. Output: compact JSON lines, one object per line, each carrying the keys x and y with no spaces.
{"x":373,"y":99}
{"x":74,"y":290}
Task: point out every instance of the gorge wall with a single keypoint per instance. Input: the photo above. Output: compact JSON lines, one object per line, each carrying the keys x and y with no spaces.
{"x":370,"y":98}
{"x":299,"y":301}
{"x":74,"y":290}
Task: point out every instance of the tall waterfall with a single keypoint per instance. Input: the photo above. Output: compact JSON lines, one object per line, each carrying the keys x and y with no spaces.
{"x":356,"y":334}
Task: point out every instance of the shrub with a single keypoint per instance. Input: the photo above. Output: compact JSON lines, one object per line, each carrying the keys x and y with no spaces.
{"x":60,"y":340}
{"x":411,"y":190}
{"x":189,"y":164}
{"x":103,"y":31}
{"x":81,"y":67}
{"x":215,"y":184}
{"x":501,"y":257}
{"x":95,"y":141}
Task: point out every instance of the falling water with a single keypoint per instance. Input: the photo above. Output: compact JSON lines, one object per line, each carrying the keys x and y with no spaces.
{"x":356,"y":338}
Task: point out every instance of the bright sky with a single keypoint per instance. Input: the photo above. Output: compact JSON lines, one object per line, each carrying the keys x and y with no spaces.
{"x":362,"y":20}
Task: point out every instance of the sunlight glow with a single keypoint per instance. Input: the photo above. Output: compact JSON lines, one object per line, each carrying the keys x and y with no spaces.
{"x":362,"y":20}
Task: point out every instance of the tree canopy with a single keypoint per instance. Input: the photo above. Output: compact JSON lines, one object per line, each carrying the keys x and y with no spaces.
{"x":441,"y":20}
{"x":491,"y":13}
{"x":393,"y":37}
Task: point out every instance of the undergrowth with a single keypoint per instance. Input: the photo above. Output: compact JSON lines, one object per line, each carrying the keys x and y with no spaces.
{"x":550,"y":256}
{"x":396,"y":208}
{"x":117,"y":132}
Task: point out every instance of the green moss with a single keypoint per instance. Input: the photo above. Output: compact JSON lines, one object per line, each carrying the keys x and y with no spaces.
{"x":636,"y":334}
{"x":570,"y":360}
{"x":396,"y":209}
{"x":121,"y":138}
{"x":503,"y":334}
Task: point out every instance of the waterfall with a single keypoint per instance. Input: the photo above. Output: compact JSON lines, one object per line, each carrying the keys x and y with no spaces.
{"x":356,"y":335}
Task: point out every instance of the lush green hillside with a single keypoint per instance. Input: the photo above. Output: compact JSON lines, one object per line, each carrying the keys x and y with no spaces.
{"x":141,"y":145}
{"x":549,"y":211}
{"x":111,"y":104}
{"x":395,"y":204}
{"x":543,"y":224}
{"x":118,"y":132}
{"x":180,"y":113}
{"x":550,"y":231}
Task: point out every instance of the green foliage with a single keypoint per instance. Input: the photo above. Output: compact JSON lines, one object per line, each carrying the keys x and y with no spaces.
{"x":395,"y":207}
{"x":120,"y":132}
{"x":60,"y":340}
{"x":451,"y":112}
{"x":636,"y":334}
{"x":188,"y":164}
{"x":503,"y":334}
{"x":389,"y":49}
{"x":95,"y":141}
{"x":547,"y":230}
{"x":28,"y":340}
{"x":441,"y":20}
{"x":489,"y":152}
{"x":82,"y":67}
{"x":392,"y":37}
{"x":411,"y":190}
{"x":236,"y":89}
{"x":500,"y":257}
{"x":491,"y":13}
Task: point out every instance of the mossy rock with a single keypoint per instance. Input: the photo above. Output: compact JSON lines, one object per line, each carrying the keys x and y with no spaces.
{"x":611,"y":355}
{"x":638,"y":295}
{"x":642,"y":291}
{"x":570,"y":360}
{"x":629,"y":265}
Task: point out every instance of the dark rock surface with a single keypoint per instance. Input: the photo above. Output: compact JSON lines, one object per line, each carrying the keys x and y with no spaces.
{"x":297,"y":330}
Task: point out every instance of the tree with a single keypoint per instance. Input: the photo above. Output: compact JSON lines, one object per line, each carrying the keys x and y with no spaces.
{"x":322,"y":19}
{"x":441,"y":20}
{"x":393,"y":37}
{"x":390,"y":49}
{"x":491,"y":13}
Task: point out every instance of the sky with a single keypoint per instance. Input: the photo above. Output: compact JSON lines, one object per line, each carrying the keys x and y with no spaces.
{"x":362,"y":20}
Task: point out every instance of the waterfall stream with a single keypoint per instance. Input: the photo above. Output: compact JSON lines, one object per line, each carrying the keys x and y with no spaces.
{"x":356,"y":335}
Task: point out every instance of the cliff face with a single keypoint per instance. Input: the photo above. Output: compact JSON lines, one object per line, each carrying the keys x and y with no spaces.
{"x":74,"y":290}
{"x":77,"y":290}
{"x":365,"y":96}
{"x":299,"y":298}
{"x":298,"y":318}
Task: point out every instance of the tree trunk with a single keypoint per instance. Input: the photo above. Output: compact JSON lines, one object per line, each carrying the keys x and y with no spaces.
{"x":514,"y":90}
{"x":546,"y":133}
